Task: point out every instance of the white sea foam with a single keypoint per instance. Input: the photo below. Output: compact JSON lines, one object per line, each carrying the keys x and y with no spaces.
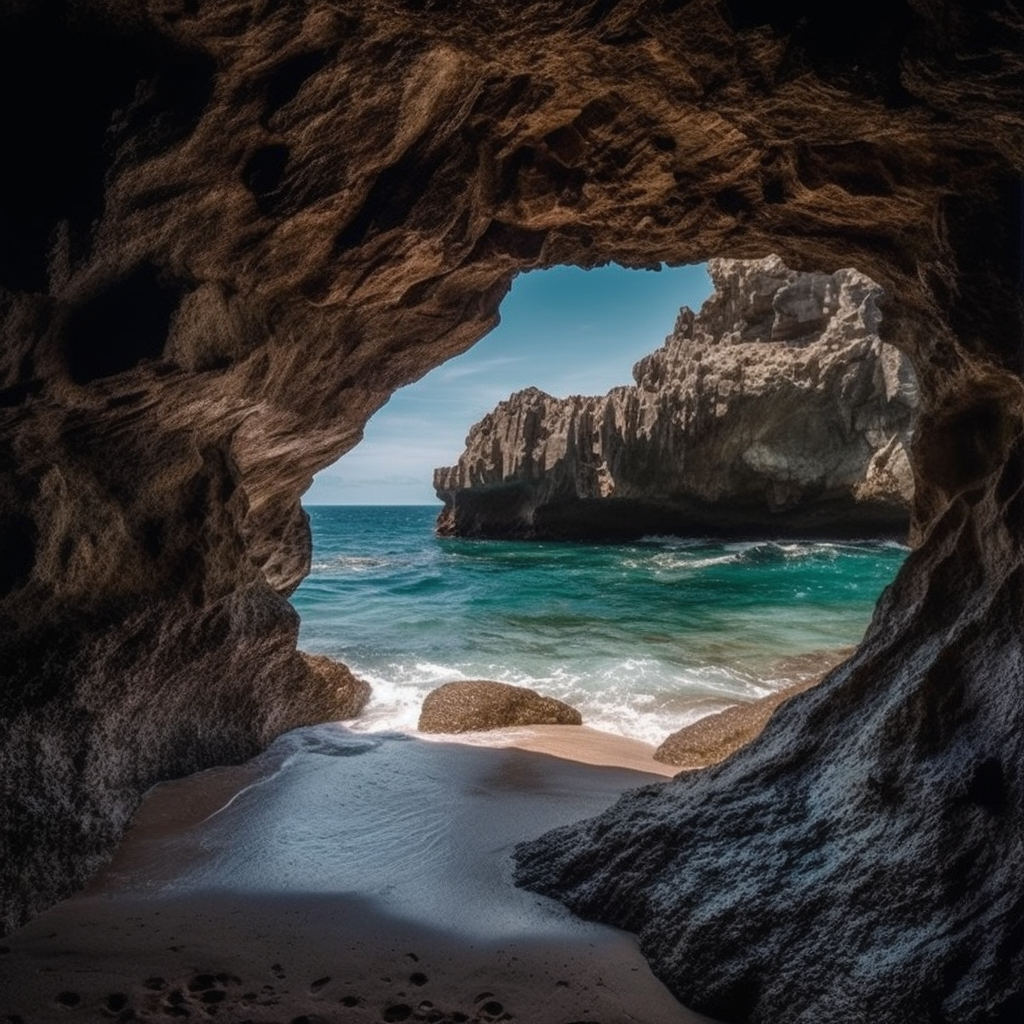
{"x":669,"y":541}
{"x":640,"y":698}
{"x":669,"y":561}
{"x":344,"y":564}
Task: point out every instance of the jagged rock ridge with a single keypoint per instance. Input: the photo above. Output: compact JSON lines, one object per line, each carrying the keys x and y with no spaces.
{"x":777,"y":410}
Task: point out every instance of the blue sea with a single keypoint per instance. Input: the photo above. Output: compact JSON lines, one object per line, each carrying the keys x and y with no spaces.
{"x":643,"y":638}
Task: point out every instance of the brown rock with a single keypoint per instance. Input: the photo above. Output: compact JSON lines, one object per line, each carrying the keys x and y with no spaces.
{"x":713,"y":738}
{"x":350,"y":692}
{"x":479,"y":704}
{"x":775,"y":411}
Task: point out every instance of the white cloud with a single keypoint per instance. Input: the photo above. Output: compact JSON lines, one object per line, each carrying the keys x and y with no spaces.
{"x":450,"y":373}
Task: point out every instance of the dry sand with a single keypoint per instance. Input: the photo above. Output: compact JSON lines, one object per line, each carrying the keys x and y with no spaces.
{"x":345,"y":877}
{"x":578,"y":743}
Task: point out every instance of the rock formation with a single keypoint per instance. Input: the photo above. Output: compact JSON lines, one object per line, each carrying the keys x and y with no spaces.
{"x":351,"y":693}
{"x":777,"y":411}
{"x":235,"y":227}
{"x":470,"y":705}
{"x":713,"y":738}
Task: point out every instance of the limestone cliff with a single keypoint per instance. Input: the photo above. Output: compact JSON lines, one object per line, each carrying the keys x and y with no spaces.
{"x":230,"y":229}
{"x":777,"y":410}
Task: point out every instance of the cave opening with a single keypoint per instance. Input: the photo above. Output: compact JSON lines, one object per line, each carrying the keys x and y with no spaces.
{"x":645,"y":617}
{"x":346,"y":192}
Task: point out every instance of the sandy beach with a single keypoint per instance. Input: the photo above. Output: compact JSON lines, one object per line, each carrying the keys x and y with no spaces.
{"x":347,"y":877}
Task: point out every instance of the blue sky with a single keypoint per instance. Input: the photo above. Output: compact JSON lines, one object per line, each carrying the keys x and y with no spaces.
{"x":564,"y":330}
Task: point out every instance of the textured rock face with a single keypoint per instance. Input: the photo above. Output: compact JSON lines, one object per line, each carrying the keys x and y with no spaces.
{"x":239,"y":225}
{"x":470,"y":705}
{"x":775,"y":411}
{"x":350,"y":692}
{"x":714,"y":738}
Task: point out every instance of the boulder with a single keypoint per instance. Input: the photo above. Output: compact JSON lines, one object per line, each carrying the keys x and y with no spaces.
{"x":350,"y":692}
{"x":713,"y":738}
{"x":478,"y":705}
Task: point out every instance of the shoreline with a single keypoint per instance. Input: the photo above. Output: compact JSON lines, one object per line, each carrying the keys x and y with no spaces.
{"x":203,"y":913}
{"x":592,"y":745}
{"x":343,"y":877}
{"x":580,"y":744}
{"x":782,"y":674}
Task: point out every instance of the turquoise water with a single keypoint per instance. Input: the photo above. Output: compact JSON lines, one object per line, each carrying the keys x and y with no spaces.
{"x":643,"y":638}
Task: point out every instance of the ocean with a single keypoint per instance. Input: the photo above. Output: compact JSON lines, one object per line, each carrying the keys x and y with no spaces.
{"x":643,"y":638}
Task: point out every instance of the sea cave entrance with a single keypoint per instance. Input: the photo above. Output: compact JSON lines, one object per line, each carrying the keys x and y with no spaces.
{"x":310,"y":206}
{"x":645,"y":629}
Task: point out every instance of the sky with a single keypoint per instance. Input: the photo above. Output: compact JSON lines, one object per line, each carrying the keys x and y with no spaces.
{"x":564,"y":330}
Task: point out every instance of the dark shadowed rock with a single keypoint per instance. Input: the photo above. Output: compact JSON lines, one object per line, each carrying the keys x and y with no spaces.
{"x":350,"y":692}
{"x":775,"y":411}
{"x":479,"y":704}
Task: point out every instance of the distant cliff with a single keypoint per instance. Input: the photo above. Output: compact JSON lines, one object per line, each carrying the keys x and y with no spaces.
{"x":775,"y":411}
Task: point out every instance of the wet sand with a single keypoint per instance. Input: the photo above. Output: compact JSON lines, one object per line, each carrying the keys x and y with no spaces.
{"x":344,"y":877}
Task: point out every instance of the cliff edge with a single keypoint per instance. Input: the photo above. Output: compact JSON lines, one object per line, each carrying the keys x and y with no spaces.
{"x":774,"y":410}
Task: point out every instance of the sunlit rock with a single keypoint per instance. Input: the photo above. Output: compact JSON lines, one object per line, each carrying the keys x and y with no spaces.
{"x":713,"y":738}
{"x":469,"y":705}
{"x":350,"y":692}
{"x":775,"y":411}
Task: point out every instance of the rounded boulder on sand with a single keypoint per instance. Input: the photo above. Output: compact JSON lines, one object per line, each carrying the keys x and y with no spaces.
{"x":472,"y":705}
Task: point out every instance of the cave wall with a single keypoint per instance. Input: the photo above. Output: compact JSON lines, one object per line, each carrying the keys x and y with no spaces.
{"x":235,"y":227}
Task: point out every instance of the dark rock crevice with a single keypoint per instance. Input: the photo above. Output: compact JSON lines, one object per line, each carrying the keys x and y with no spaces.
{"x":153,"y":510}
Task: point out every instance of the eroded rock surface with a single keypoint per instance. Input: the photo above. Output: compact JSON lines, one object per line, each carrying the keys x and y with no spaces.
{"x":350,"y":692}
{"x":469,"y":705}
{"x":775,"y":411}
{"x":237,"y":226}
{"x":713,"y":738}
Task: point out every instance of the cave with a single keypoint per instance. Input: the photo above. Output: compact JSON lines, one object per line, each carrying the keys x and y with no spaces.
{"x":249,"y":222}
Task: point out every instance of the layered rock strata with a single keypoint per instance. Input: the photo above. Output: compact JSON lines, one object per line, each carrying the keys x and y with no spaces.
{"x":237,"y":226}
{"x":775,"y":411}
{"x":475,"y":704}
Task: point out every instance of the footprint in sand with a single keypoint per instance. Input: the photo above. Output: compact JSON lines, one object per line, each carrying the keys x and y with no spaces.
{"x":69,"y":998}
{"x":318,"y":984}
{"x":418,"y":979}
{"x":488,"y":1008}
{"x":428,"y":1013}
